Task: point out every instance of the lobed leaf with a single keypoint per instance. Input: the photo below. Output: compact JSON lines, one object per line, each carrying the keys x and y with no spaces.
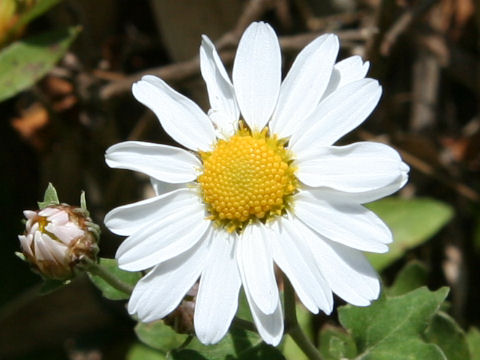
{"x":473,"y":340}
{"x":392,"y":328}
{"x":447,"y":334}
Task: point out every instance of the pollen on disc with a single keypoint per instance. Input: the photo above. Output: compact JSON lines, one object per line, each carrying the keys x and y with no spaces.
{"x":245,"y":177}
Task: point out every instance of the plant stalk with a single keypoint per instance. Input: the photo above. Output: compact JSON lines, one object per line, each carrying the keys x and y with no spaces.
{"x":99,"y":270}
{"x":293,"y":328}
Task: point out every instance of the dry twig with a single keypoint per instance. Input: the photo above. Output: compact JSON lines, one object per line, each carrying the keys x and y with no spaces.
{"x":402,"y":25}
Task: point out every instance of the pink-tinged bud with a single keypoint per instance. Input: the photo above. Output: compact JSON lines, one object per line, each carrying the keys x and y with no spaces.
{"x":57,"y":238}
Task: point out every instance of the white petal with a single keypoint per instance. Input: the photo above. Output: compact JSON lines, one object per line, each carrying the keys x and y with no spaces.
{"x":257,"y":74}
{"x":181,"y":118}
{"x":163,"y":162}
{"x":347,"y":271}
{"x":217,"y":298}
{"x":65,"y":233}
{"x":161,"y":290}
{"x":171,"y":234}
{"x":48,"y":249}
{"x":297,"y":263}
{"x":224,"y":109}
{"x":127,"y":219}
{"x":346,"y":71}
{"x":360,"y":197}
{"x":359,"y":167}
{"x":304,"y":84}
{"x":337,"y":115}
{"x":54,"y":214}
{"x":343,"y":221}
{"x":256,"y":267}
{"x":269,"y":327}
{"x":29,"y":214}
{"x":25,"y":243}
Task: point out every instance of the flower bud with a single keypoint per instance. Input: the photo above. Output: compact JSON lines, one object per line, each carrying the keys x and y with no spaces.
{"x":57,"y":238}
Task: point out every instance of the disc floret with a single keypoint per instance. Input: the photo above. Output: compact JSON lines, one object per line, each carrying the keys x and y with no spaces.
{"x":247,"y":177}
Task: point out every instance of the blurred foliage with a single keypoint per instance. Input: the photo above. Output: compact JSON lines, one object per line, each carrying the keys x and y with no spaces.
{"x":238,"y":344}
{"x":412,"y":221}
{"x":26,"y":61}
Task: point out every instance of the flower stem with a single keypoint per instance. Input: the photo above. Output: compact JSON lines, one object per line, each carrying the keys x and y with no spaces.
{"x":244,"y":324}
{"x":99,"y":270}
{"x":292,"y":326}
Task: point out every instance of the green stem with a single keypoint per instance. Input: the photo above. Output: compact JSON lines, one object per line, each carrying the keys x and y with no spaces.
{"x":292,"y":326}
{"x":244,"y":324}
{"x":98,"y":270}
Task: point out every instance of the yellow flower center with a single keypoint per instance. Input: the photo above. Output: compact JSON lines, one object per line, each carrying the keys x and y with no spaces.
{"x":42,"y":224}
{"x":247,"y":177}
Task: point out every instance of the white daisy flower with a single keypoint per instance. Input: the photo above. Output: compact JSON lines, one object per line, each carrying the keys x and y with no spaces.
{"x":260,"y":183}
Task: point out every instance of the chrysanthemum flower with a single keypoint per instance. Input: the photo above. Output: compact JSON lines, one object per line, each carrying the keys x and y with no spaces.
{"x":260,"y":183}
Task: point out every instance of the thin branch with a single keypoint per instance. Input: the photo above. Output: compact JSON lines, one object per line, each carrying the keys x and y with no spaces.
{"x":187,"y":69}
{"x":403,"y":24}
{"x":97,"y":269}
{"x":292,"y":326}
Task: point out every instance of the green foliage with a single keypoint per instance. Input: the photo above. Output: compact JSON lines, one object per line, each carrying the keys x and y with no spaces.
{"x":407,"y":322}
{"x":143,"y":352}
{"x":393,"y":327}
{"x":446,"y":333}
{"x":108,"y":290}
{"x":40,"y":7}
{"x":26,"y":61}
{"x":159,"y":336}
{"x":412,"y":276}
{"x":473,"y":340}
{"x":238,"y":344}
{"x":336,"y":344}
{"x":49,"y":198}
{"x":412,"y":221}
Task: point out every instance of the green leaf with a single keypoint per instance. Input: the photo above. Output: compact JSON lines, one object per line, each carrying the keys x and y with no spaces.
{"x":445,"y":332}
{"x":108,"y":290}
{"x":49,"y":198}
{"x":40,"y":7}
{"x":412,"y":221}
{"x":335,"y":344}
{"x":473,"y":340}
{"x":238,"y":344}
{"x":159,"y":336}
{"x":26,"y":61}
{"x":412,"y":276}
{"x":139,"y":351}
{"x":392,"y":328}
